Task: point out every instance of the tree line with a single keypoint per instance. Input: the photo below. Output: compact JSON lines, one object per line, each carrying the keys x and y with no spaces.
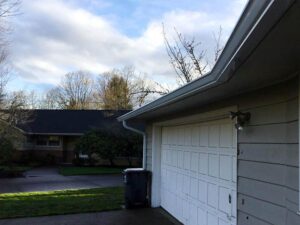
{"x":119,"y":88}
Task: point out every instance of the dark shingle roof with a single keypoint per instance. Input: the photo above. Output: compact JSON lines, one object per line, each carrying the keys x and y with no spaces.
{"x":70,"y":121}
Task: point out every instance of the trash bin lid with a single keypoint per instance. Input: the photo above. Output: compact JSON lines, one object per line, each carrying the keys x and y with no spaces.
{"x":134,"y":170}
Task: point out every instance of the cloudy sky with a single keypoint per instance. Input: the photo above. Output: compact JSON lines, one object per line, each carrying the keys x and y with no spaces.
{"x":53,"y":37}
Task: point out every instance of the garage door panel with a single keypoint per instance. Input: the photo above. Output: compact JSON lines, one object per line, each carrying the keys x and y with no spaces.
{"x":186,"y":212}
{"x":174,"y":158}
{"x":188,"y":136}
{"x":213,"y":136}
{"x":199,"y":173}
{"x":222,"y":222}
{"x":180,"y":136}
{"x":224,"y":205}
{"x":194,"y":162}
{"x":186,"y":186}
{"x":179,"y":208}
{"x":202,"y":191}
{"x":187,"y":160}
{"x":193,"y":217}
{"x":213,"y":165}
{"x":212,"y":195}
{"x":226,"y":135}
{"x":226,"y":167}
{"x":203,"y":163}
{"x":179,"y":183}
{"x":194,"y":188}
{"x":202,"y":216}
{"x":195,"y":136}
{"x":212,"y":219}
{"x":203,"y":136}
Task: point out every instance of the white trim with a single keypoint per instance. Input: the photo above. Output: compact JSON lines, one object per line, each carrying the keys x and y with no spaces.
{"x":156,"y":144}
{"x":205,"y":116}
{"x":298,"y":212}
{"x":143,"y":133}
{"x":156,"y":164}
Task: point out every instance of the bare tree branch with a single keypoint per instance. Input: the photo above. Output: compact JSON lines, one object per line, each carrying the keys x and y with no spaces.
{"x":218,"y":46}
{"x":74,"y":91}
{"x":187,"y":57}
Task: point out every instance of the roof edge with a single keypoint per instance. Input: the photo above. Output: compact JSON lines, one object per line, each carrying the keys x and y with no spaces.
{"x":228,"y":62}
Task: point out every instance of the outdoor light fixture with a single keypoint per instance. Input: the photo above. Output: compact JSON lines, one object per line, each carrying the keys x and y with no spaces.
{"x":241,"y":119}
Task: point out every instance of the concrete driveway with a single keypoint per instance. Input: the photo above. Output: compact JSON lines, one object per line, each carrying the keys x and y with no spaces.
{"x":48,"y":178}
{"x":120,"y":217}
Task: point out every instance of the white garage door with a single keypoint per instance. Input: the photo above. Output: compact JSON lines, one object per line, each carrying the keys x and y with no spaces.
{"x":198,"y":172}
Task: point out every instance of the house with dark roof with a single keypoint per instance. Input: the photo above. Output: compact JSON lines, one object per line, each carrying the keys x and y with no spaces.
{"x":53,"y":133}
{"x":224,"y":149}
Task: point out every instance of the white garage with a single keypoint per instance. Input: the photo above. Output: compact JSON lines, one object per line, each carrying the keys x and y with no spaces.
{"x":198,"y":172}
{"x":190,"y":144}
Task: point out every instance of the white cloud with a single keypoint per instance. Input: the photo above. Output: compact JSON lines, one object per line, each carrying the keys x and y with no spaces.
{"x":53,"y":37}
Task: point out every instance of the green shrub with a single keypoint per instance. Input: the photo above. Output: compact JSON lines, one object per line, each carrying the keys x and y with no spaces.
{"x":109,"y":145}
{"x":7,"y":152}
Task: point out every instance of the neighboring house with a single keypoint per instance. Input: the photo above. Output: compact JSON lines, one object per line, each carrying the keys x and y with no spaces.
{"x":204,"y":170}
{"x":52,"y":134}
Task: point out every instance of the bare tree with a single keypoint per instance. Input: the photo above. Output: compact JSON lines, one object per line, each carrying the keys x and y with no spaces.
{"x":3,"y":81}
{"x":144,"y":90}
{"x":27,"y":99}
{"x":15,"y":105}
{"x":187,"y":56}
{"x":74,"y":91}
{"x":8,"y":109}
{"x":8,"y":8}
{"x":218,"y":44}
{"x":33,"y":100}
{"x":50,"y":100}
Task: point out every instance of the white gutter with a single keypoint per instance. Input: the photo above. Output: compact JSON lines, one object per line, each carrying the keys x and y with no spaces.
{"x":144,"y":140}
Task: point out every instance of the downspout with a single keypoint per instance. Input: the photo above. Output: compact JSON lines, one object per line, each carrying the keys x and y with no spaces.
{"x":144,"y":140}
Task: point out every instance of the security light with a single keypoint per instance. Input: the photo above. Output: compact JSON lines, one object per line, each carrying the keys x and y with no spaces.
{"x":241,"y":119}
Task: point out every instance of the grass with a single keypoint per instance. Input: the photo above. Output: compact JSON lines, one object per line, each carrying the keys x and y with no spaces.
{"x":60,"y":202}
{"x":15,"y":168}
{"x":78,"y":170}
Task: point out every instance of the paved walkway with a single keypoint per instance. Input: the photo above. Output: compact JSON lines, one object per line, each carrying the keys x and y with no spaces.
{"x":121,"y":217}
{"x":46,"y":179}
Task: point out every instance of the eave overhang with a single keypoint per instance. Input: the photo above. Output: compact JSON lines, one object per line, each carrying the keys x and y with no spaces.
{"x":232,"y":73}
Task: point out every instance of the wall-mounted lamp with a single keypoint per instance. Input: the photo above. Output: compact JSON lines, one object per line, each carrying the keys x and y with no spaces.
{"x":241,"y":119}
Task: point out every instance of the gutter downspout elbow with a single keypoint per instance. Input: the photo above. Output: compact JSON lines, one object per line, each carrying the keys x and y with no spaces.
{"x":144,"y":140}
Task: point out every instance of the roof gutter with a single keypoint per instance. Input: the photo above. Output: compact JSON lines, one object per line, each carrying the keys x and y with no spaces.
{"x":144,"y":140}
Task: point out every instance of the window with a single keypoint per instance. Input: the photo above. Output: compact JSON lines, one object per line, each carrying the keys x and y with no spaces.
{"x":29,"y":140}
{"x":42,"y":140}
{"x":51,"y":141}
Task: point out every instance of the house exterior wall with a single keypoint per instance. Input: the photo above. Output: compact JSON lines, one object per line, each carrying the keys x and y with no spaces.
{"x":62,"y":153}
{"x":268,"y":173}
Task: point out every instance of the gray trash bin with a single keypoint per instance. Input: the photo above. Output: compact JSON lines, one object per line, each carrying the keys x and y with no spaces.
{"x":137,"y":187}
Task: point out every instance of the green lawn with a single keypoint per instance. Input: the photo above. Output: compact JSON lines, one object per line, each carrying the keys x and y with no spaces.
{"x":77,"y":170}
{"x":15,"y":168}
{"x":60,"y":202}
